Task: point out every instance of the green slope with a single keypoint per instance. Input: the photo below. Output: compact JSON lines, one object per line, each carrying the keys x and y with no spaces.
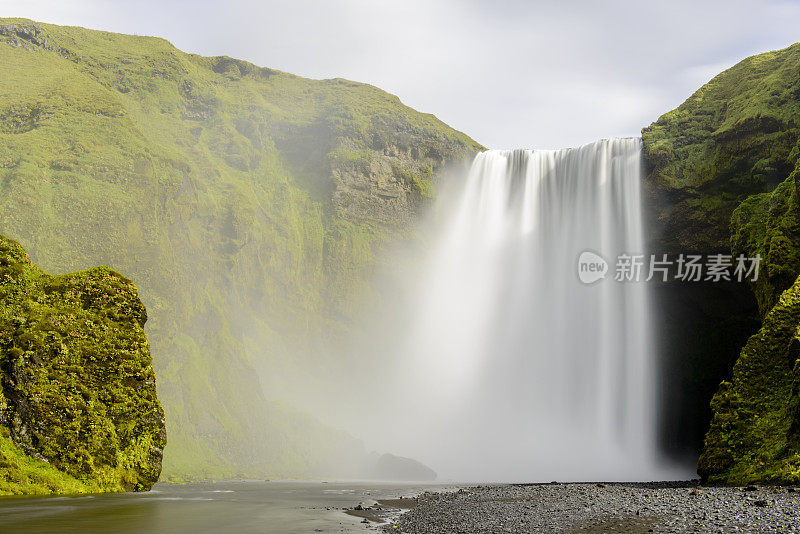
{"x":247,"y":204}
{"x":21,"y":474}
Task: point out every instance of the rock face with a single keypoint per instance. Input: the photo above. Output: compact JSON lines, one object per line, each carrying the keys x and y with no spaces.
{"x":755,"y":431}
{"x":77,"y":387}
{"x":248,"y":204}
{"x":754,"y":434}
{"x":721,"y":179}
{"x":768,"y":224}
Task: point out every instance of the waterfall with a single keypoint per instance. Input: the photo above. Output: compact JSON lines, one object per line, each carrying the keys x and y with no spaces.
{"x":542,"y":376}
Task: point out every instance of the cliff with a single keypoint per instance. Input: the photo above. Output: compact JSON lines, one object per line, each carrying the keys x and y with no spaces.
{"x":78,"y":404}
{"x":735,"y":137}
{"x":248,"y":204}
{"x":721,"y":179}
{"x":753,"y":435}
{"x":755,"y":432}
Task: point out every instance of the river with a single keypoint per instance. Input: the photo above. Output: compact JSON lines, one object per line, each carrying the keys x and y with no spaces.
{"x":231,"y":507}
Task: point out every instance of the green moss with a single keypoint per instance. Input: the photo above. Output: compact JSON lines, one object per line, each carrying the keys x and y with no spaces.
{"x":76,"y":381}
{"x":755,"y":432}
{"x":753,"y":435}
{"x":22,"y":475}
{"x":421,"y":181}
{"x":768,"y":225}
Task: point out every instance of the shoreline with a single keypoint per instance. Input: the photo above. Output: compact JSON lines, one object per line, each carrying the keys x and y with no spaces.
{"x":594,"y":508}
{"x":383,"y":511}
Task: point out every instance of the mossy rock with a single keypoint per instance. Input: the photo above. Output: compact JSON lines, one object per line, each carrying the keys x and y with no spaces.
{"x":77,"y":386}
{"x":21,"y":474}
{"x":768,"y":225}
{"x":755,"y":431}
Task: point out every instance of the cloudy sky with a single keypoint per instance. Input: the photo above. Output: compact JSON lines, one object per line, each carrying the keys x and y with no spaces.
{"x":510,"y":73}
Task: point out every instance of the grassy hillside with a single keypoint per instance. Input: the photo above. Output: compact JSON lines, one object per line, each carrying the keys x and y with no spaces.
{"x":247,"y":204}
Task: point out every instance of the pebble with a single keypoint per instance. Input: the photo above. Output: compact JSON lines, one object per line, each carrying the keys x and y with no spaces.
{"x":676,"y":507}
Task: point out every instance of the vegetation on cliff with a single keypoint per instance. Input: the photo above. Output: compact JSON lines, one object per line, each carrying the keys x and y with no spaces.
{"x":21,"y":474}
{"x":755,"y":432}
{"x":78,"y":404}
{"x":735,"y":137}
{"x":248,"y":204}
{"x":768,"y":225}
{"x":723,"y":170}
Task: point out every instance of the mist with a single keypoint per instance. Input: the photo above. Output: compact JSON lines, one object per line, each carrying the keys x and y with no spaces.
{"x":480,"y":353}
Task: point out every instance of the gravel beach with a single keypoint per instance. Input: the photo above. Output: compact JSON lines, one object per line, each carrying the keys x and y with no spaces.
{"x":599,"y":508}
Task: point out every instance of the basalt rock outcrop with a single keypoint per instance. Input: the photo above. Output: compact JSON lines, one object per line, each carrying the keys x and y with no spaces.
{"x":78,"y":404}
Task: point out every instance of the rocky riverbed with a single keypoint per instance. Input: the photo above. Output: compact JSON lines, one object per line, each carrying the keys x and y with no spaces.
{"x":680,"y":507}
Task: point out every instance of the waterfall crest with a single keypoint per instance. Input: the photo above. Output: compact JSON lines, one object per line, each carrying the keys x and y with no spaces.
{"x":555,"y":374}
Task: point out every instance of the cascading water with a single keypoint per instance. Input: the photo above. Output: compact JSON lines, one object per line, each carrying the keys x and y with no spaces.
{"x":541,"y":376}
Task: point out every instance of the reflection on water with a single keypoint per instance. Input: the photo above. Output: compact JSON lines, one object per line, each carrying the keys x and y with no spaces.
{"x":237,"y":507}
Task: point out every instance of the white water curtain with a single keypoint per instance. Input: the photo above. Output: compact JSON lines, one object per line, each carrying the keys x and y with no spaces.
{"x":546,"y":377}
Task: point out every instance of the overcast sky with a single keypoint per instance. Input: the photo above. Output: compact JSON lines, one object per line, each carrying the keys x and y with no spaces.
{"x":510,"y":73}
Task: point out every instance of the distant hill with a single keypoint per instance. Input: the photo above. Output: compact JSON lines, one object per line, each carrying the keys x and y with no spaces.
{"x":391,"y":467}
